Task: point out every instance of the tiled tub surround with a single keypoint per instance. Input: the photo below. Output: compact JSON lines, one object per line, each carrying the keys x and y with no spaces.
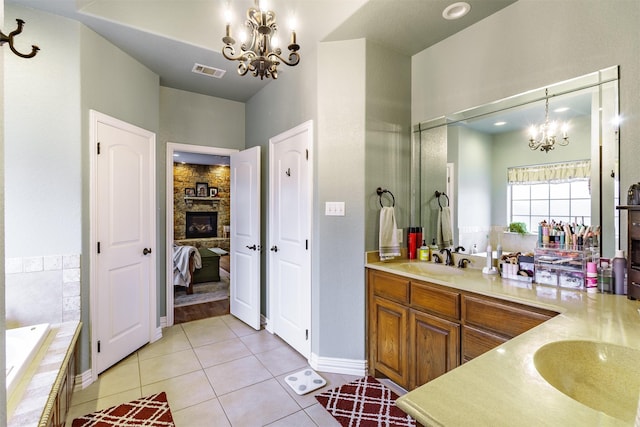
{"x":42,"y":289}
{"x":503,"y":387}
{"x":42,"y":397}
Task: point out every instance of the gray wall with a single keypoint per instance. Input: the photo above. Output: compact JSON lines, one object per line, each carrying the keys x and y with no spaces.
{"x":47,"y":134}
{"x":528,"y":45}
{"x":339,"y":256}
{"x":363,"y":143}
{"x":388,"y":128}
{"x":473,"y":168}
{"x":42,"y":138}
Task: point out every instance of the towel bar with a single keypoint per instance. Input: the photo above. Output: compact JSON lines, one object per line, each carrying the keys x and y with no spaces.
{"x":380,"y":192}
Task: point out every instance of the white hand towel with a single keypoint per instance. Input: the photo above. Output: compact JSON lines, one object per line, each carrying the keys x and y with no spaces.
{"x":388,"y":245}
{"x":444,"y":234}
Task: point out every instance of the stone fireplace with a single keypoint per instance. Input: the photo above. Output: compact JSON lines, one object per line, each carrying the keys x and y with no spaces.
{"x":200,"y":225}
{"x":204,"y":208}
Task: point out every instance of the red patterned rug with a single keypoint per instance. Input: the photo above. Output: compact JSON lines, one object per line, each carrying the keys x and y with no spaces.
{"x":150,"y":411}
{"x":364,"y":403}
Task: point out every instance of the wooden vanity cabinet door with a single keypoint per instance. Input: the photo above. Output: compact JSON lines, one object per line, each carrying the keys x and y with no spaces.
{"x":435,"y":347}
{"x":388,"y":340}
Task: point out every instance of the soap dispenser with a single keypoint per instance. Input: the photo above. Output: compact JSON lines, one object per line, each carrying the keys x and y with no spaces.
{"x":424,"y":254}
{"x":433,"y":248}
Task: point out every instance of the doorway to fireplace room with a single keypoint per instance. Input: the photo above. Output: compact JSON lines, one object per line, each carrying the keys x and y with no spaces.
{"x":198,"y":232}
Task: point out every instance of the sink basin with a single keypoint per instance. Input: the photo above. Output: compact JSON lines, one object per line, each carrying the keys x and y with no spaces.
{"x":430,"y":268}
{"x":603,"y":376}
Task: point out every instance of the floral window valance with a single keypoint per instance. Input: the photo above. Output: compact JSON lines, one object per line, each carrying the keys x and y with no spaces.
{"x":555,"y":172}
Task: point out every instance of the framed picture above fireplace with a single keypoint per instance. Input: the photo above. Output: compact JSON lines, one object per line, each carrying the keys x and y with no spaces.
{"x":202,"y":189}
{"x":190,"y":192}
{"x":213,"y":191}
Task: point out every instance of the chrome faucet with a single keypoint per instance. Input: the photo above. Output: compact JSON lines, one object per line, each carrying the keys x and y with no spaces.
{"x":462,"y":262}
{"x":448,"y":259}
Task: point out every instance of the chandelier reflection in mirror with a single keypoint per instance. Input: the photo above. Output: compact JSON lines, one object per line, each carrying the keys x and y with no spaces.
{"x":259,"y":52}
{"x":543,"y":137}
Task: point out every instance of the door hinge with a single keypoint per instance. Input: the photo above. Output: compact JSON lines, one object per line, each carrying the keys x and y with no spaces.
{"x":306,"y":334}
{"x":307,"y":153}
{"x":98,"y":148}
{"x":98,"y":247}
{"x":98,"y":346}
{"x":306,"y":244}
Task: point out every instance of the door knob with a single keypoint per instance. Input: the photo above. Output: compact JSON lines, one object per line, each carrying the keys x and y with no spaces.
{"x":146,"y":251}
{"x":252,"y":247}
{"x":274,"y":248}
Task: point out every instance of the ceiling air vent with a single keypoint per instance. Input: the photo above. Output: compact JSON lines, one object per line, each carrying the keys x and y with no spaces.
{"x":208,"y":71}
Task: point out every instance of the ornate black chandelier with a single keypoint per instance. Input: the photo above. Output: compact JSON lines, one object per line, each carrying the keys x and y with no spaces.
{"x":259,"y":54}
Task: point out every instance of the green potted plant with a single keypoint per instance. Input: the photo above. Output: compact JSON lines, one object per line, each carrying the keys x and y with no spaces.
{"x":518,"y":227}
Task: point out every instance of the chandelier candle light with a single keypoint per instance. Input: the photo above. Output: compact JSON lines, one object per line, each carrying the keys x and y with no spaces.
{"x":260,"y":53}
{"x":543,"y":137}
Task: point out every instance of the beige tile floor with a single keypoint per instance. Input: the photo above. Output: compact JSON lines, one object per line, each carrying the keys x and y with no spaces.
{"x":216,"y":372}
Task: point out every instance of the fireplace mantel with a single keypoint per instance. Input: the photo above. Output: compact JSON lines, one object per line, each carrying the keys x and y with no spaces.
{"x":190,"y":200}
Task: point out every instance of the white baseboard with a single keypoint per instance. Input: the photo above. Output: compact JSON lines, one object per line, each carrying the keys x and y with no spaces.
{"x":158,"y":333}
{"x":163,"y":322}
{"x":339,"y":366}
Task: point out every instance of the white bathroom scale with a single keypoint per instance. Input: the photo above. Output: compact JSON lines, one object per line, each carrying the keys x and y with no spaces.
{"x":305,"y":381}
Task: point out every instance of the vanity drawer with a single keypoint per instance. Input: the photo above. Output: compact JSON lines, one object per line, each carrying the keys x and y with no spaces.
{"x":634,"y":224}
{"x":505,"y":319}
{"x":389,"y":286}
{"x":436,"y":300}
{"x":476,"y":342}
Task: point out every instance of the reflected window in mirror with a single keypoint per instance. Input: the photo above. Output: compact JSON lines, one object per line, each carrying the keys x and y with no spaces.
{"x":558,"y":192}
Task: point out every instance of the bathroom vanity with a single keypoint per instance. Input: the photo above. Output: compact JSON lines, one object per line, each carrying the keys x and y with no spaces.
{"x":419,"y":330}
{"x":465,"y":345}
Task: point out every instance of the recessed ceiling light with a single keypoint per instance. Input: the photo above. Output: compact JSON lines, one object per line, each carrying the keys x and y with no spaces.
{"x":456,"y":10}
{"x":561,"y":109}
{"x":500,"y":123}
{"x":176,"y":155}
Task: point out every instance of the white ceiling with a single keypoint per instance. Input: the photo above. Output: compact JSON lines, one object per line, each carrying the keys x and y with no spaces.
{"x":169,"y":36}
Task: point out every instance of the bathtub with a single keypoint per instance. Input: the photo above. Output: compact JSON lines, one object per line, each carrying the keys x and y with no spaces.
{"x":22,"y":346}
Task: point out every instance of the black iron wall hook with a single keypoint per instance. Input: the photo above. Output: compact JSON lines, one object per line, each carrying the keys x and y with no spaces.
{"x":380,"y":192}
{"x":438,"y":194}
{"x":4,"y":39}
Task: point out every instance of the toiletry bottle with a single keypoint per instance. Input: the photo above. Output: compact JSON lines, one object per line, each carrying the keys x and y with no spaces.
{"x":433,"y":249}
{"x":423,"y":252}
{"x":474,"y":249}
{"x":412,"y":244}
{"x":619,"y":271}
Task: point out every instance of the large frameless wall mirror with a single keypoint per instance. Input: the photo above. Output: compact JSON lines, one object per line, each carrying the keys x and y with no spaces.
{"x":482,"y":159}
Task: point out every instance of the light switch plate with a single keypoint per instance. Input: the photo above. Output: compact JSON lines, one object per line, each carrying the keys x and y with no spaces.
{"x":334,"y":209}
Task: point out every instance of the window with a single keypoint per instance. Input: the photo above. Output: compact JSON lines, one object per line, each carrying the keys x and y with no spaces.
{"x":558,"y":192}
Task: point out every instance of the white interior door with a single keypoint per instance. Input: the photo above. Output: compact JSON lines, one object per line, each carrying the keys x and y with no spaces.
{"x":289,"y":237}
{"x":123,"y":217}
{"x":245,"y":236}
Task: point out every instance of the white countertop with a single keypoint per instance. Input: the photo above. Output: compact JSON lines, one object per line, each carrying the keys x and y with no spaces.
{"x":502,"y":387}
